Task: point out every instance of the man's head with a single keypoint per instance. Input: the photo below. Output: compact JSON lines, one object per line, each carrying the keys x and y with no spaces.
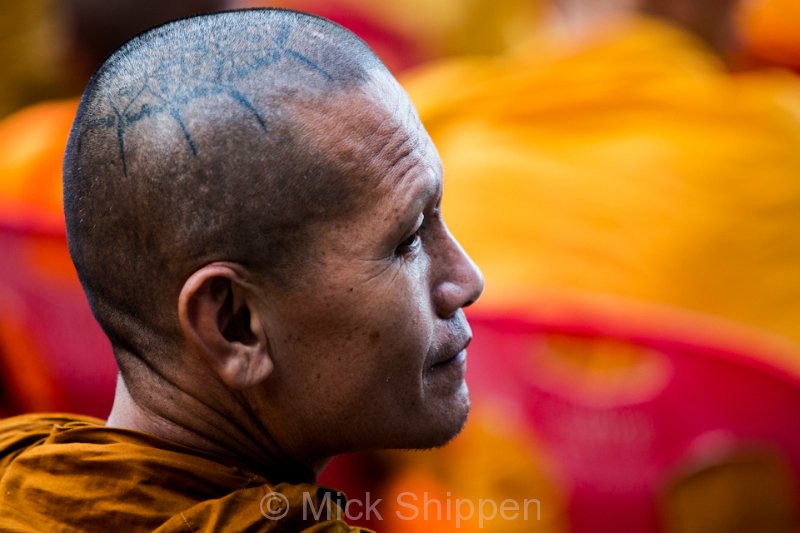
{"x":253,"y":209}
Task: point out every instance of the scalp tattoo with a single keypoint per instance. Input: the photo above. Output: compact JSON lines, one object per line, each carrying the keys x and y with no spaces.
{"x":201,"y":69}
{"x":188,"y":148}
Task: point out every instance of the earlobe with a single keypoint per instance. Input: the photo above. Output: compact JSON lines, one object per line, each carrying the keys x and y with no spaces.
{"x":220,"y":324}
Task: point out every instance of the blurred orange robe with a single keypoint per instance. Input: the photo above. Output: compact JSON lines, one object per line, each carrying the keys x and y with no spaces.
{"x":62,"y":472}
{"x":32,"y":144}
{"x":768,"y":29}
{"x":631,"y":165}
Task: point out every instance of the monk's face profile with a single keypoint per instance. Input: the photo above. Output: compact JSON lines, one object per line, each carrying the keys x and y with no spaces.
{"x":371,"y":346}
{"x":253,"y":208}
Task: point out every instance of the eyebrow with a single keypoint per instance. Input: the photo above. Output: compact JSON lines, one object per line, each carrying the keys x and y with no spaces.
{"x":433,"y":191}
{"x":418,"y":202}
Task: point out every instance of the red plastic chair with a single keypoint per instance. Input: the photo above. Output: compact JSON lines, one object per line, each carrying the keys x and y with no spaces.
{"x":635,"y":403}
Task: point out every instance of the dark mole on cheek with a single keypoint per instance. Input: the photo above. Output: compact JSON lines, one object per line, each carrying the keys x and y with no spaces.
{"x":374,"y":336}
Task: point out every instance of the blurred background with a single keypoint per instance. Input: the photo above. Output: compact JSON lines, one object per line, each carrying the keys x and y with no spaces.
{"x":627,"y":175}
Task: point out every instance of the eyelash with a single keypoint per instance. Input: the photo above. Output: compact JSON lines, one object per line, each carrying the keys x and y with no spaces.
{"x":411,"y":243}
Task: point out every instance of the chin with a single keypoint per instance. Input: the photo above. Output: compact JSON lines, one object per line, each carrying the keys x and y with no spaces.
{"x":434,"y":425}
{"x":443,"y":426}
{"x":446,"y":436}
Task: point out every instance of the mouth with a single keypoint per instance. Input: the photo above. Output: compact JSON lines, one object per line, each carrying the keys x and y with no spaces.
{"x":452,"y":357}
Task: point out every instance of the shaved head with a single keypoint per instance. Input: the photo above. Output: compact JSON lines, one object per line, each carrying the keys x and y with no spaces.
{"x":253,"y":208}
{"x":195,"y":143}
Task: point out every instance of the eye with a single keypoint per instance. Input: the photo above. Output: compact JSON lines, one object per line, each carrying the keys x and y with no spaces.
{"x":412,"y":242}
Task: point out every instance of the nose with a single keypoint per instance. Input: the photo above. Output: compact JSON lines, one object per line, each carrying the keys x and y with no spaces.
{"x":459,"y":283}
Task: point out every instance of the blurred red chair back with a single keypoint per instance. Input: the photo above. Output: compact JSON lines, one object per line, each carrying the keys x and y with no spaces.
{"x":632,"y":402}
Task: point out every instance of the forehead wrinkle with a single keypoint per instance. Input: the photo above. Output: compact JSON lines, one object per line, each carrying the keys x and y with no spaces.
{"x":378,"y":139}
{"x":400,"y":151}
{"x":415,"y":156}
{"x":399,"y":131}
{"x":407,"y":143}
{"x":421,"y":195}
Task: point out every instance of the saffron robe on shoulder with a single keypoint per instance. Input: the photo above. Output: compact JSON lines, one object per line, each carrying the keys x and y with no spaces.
{"x":70,"y":473}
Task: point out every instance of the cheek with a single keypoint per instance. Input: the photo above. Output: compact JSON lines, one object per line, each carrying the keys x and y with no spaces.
{"x":387,"y":339}
{"x":367,"y":331}
{"x":391,"y":347}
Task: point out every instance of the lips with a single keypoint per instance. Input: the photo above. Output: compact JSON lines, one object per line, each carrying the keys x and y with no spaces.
{"x":451,"y":355}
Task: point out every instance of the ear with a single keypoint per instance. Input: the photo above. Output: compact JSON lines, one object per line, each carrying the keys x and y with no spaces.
{"x":217,"y":315}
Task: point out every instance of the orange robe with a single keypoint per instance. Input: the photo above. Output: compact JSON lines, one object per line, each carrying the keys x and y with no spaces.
{"x":631,"y":165}
{"x":32,"y":143}
{"x":63,"y":472}
{"x":768,"y":31}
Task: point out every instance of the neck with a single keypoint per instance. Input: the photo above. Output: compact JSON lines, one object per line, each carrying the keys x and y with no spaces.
{"x":234,"y":436}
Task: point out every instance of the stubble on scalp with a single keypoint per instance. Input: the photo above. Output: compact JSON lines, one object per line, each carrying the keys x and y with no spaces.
{"x":186,"y":150}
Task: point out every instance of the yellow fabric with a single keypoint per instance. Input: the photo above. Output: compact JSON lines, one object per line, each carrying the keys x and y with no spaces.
{"x":70,"y":473}
{"x":630,"y":165}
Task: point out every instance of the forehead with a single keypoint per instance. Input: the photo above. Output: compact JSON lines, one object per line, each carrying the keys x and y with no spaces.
{"x":373,"y":135}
